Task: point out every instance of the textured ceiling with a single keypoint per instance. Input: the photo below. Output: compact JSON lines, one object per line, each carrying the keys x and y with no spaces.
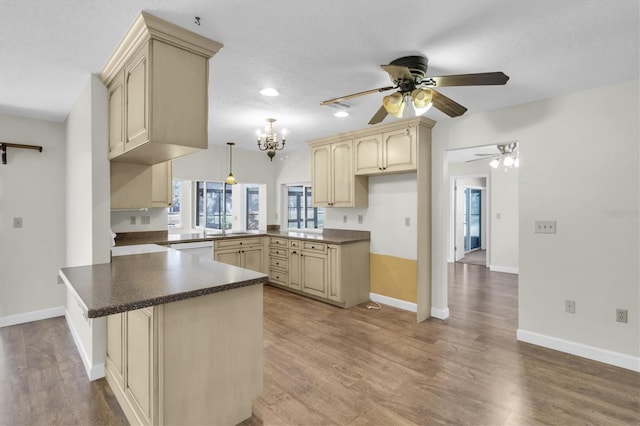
{"x":315,"y":50}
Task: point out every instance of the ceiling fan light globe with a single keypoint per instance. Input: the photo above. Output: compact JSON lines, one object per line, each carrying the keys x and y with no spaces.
{"x":394,"y":104}
{"x":508,"y":161}
{"x":516,"y":162}
{"x":494,"y":163}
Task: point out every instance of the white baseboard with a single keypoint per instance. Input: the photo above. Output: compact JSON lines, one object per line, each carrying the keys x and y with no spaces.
{"x":94,"y":372}
{"x":506,"y":269}
{"x":585,"y":351}
{"x":41,"y":314}
{"x":440,"y":313}
{"x":396,"y":303}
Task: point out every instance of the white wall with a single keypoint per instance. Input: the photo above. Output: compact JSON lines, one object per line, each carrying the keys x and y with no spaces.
{"x":31,"y":187}
{"x":504,"y":196}
{"x":248,"y":167}
{"x":121,"y":220}
{"x":88,"y":202}
{"x":87,"y":178}
{"x":579,"y":166}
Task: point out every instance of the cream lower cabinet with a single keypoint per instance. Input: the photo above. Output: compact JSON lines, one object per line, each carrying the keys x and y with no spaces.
{"x":194,"y":361}
{"x":244,"y":252}
{"x":318,"y":270}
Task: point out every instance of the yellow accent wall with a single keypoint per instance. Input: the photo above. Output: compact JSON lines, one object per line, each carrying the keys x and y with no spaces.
{"x":394,"y":277}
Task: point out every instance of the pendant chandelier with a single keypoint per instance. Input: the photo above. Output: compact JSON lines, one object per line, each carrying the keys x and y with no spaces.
{"x":269,"y":141}
{"x":231,"y":179}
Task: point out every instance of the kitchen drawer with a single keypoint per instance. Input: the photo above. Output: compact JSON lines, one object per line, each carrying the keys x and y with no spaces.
{"x":295,"y":243}
{"x":276,"y":262}
{"x":278,"y":277}
{"x":279,"y":251}
{"x":314,"y":247}
{"x":238,"y":242}
{"x":278,"y":242}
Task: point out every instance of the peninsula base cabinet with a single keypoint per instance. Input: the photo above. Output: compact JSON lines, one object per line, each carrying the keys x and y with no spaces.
{"x":244,"y":252}
{"x":334,"y":273}
{"x":174,"y":363}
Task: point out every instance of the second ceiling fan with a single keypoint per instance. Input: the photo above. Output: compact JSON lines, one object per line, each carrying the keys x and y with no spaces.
{"x":409,"y":77}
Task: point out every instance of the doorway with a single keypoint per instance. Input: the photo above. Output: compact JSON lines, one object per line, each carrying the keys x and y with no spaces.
{"x":472,"y":215}
{"x":469,"y":232}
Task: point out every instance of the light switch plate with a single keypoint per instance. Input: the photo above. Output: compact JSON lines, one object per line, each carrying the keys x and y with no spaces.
{"x":17,"y":222}
{"x":545,"y":227}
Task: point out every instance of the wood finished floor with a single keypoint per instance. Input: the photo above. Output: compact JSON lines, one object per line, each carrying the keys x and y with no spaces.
{"x":326,"y":365}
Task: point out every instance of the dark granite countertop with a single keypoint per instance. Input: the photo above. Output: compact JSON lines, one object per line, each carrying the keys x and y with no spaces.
{"x":142,"y":280}
{"x":330,"y":236}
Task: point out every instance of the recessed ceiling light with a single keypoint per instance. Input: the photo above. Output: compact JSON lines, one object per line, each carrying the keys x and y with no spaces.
{"x":269,"y":91}
{"x":341,"y":114}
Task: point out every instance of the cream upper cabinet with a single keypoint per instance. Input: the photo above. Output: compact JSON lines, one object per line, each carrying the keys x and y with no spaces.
{"x":158,"y":92}
{"x":332,"y":179}
{"x":394,"y":151}
{"x":368,"y":154}
{"x":135,"y":186}
{"x":116,"y":115}
{"x":162,"y":184}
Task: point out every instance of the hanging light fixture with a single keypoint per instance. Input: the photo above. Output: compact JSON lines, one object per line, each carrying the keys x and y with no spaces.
{"x":269,"y":141}
{"x":420,"y":99}
{"x":509,"y":156}
{"x":231,"y":179}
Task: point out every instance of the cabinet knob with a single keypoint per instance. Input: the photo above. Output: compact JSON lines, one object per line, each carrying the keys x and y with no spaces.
{"x":277,"y":263}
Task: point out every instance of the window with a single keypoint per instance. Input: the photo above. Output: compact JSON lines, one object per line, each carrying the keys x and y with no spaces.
{"x":210,"y":207}
{"x":252,"y":208}
{"x":175,"y":219}
{"x":300,"y":212}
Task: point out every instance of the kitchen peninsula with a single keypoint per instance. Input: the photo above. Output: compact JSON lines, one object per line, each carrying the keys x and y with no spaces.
{"x":184,"y":335}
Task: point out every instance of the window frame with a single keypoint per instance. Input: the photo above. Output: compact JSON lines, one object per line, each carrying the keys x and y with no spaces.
{"x":302,"y":211}
{"x":227,"y":197}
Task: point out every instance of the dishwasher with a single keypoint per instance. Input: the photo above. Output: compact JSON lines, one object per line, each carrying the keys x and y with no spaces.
{"x":202,"y":249}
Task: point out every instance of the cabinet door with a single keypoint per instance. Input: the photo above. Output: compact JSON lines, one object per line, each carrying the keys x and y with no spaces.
{"x":400,"y":150}
{"x":321,"y":176}
{"x":116,"y":116}
{"x":295,"y":269}
{"x":136,"y":74}
{"x":368,"y":155}
{"x":252,"y":258}
{"x":342,"y":174}
{"x":334,"y":284}
{"x":140,"y":359}
{"x":228,"y":256}
{"x":162,"y":184}
{"x":130,"y":185}
{"x":115,"y":355}
{"x":314,"y":274}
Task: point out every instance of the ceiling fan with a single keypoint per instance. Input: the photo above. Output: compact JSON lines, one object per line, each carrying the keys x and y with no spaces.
{"x":507,"y":152}
{"x":409,"y":77}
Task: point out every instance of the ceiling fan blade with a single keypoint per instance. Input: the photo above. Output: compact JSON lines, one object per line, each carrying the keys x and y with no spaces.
{"x":480,"y":159}
{"x":486,"y":155}
{"x":480,"y":79}
{"x":398,"y":72}
{"x":378,"y":116}
{"x":355,"y":95}
{"x":447,"y":105}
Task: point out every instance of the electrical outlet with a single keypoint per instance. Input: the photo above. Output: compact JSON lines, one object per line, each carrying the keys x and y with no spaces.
{"x":570,"y":306}
{"x":344,"y":219}
{"x":17,"y":222}
{"x":132,"y":220}
{"x":359,"y":218}
{"x":621,"y":315}
{"x":545,"y":227}
{"x":145,"y":220}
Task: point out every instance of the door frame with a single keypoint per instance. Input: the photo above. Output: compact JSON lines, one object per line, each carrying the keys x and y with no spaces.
{"x":485,"y":211}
